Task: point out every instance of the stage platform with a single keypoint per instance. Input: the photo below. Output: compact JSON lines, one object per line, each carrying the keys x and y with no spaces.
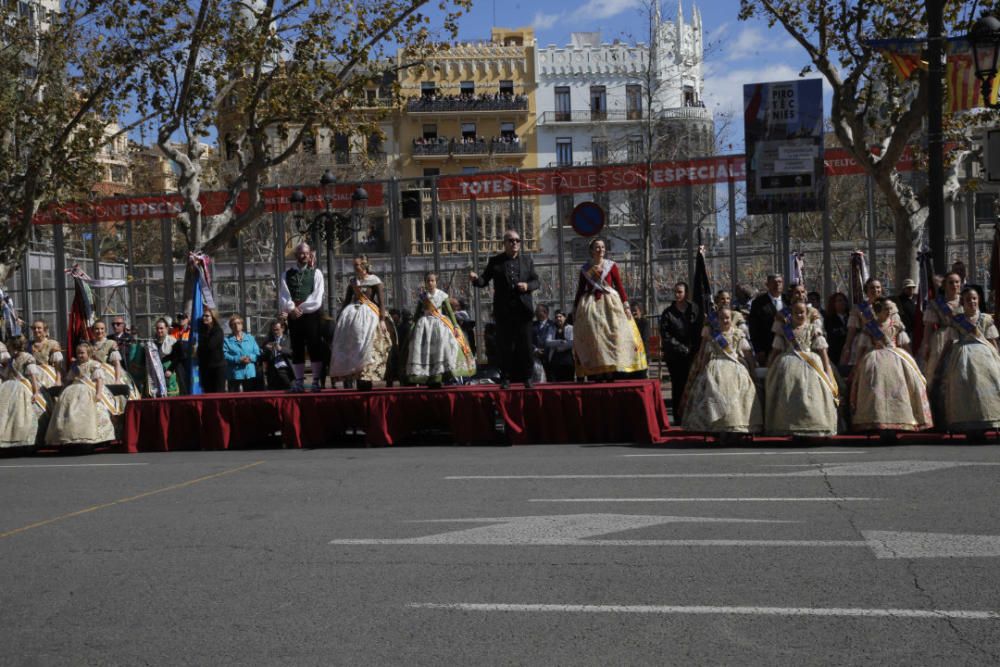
{"x":624,"y":411}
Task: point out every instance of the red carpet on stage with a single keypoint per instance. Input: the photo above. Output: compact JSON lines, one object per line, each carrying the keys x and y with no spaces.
{"x":626,"y":411}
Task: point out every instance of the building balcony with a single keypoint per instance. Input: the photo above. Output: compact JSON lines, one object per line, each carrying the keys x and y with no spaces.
{"x":355,"y":158}
{"x":465,"y":149}
{"x":467,"y":104}
{"x":589,"y":117}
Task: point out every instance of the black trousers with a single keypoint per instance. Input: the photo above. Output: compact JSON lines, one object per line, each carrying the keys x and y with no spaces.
{"x":514,"y":343}
{"x":304,"y":332}
{"x":213,"y":380}
{"x":679,"y":369}
{"x":236,"y":386}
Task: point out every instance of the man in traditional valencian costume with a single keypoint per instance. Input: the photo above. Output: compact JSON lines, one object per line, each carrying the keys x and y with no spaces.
{"x":301,"y":297}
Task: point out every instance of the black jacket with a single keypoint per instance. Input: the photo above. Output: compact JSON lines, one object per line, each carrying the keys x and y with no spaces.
{"x":679,"y":331}
{"x":210,"y":346}
{"x":507,"y":301}
{"x":762,"y":313}
{"x":836,"y":335}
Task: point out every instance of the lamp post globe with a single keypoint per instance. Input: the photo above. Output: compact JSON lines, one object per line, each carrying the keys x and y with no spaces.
{"x":985,"y":40}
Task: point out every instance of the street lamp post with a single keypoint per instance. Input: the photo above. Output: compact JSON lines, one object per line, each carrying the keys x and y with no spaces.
{"x":935,"y":131}
{"x":330,"y":226}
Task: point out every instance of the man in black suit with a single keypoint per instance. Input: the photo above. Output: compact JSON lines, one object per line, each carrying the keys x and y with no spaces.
{"x":762,"y":312}
{"x":514,"y":279}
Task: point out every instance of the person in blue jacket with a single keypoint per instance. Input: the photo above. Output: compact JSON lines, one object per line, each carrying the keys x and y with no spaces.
{"x":241,"y":353}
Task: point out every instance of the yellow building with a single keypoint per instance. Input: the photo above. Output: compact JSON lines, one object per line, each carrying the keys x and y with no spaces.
{"x":470,"y":108}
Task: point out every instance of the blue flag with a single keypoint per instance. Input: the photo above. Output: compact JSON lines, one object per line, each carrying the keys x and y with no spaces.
{"x":197,"y":310}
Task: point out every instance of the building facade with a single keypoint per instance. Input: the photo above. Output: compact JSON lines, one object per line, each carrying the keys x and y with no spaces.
{"x":604,"y":103}
{"x":470,"y":108}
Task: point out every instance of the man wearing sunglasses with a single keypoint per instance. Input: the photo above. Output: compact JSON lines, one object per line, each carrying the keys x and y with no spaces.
{"x":514,"y":279}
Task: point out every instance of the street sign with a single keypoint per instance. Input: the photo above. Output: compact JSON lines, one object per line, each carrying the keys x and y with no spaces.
{"x":783,"y":126}
{"x":587,"y":219}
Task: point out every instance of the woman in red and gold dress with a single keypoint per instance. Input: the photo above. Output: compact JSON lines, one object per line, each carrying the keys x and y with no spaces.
{"x":606,"y":339}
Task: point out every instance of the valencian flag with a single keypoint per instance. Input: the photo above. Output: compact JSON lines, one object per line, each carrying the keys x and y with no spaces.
{"x":200,"y":299}
{"x":859,"y":276}
{"x":964,"y":88}
{"x":904,"y":55}
{"x":81,"y":313}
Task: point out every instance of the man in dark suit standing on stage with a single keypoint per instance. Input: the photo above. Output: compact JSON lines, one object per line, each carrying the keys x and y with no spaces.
{"x":514,"y":279}
{"x":762,"y":312}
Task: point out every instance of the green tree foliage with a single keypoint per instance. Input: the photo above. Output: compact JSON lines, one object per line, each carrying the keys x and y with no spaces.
{"x":63,"y":75}
{"x":282,"y":70}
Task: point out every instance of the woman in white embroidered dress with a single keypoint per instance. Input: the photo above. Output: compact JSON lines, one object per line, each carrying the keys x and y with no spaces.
{"x":722,"y":397}
{"x":436,"y":344}
{"x":851,"y":353}
{"x":937,"y":333}
{"x":361,"y":342}
{"x":86,"y":412}
{"x":106,"y":352}
{"x":970,"y":386}
{"x":606,"y":339}
{"x":888,"y":391}
{"x":801,"y":391}
{"x":48,"y":355}
{"x":23,"y":400}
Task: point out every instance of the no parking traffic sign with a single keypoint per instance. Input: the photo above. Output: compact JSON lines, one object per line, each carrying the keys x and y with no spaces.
{"x":587,"y":218}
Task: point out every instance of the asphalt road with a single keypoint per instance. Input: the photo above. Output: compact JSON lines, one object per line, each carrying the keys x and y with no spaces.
{"x":554,"y":555}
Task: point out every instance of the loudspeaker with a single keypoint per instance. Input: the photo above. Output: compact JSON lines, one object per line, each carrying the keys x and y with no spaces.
{"x":411,"y":204}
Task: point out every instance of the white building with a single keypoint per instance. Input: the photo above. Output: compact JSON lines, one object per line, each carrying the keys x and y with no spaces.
{"x":601,"y":103}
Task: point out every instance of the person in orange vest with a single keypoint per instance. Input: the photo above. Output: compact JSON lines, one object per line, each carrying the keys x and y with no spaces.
{"x":181,"y":329}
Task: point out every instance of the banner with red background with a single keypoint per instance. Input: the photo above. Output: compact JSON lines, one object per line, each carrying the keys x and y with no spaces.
{"x":553,"y":181}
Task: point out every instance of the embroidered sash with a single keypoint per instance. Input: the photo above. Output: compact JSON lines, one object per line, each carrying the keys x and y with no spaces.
{"x":362,"y":298}
{"x":789,"y":333}
{"x":455,"y":331}
{"x":870,"y":324}
{"x":37,"y":399}
{"x":108,"y":402}
{"x":589,"y":272}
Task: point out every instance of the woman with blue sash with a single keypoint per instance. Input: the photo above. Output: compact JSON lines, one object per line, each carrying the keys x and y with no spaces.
{"x":970,"y":371}
{"x":801,"y":390}
{"x":937,"y":332}
{"x":722,"y":396}
{"x":851,"y":352}
{"x":888,"y":391}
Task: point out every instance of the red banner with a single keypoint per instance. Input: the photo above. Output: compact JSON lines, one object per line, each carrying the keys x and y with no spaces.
{"x":554,"y":181}
{"x":168,"y":206}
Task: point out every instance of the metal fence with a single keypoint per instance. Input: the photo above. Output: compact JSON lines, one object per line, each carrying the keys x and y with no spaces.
{"x":416,"y":229}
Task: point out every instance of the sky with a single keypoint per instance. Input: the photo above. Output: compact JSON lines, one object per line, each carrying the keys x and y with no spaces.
{"x":736,"y":52}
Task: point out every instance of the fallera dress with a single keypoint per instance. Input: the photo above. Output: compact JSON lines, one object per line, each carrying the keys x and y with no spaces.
{"x":21,"y":412}
{"x":970,"y":377}
{"x":801,"y":399}
{"x":106,"y":352}
{"x":605,"y":340}
{"x":438,"y":347}
{"x":888,"y":391}
{"x":361,"y":347}
{"x":77,"y":417}
{"x":722,"y":396}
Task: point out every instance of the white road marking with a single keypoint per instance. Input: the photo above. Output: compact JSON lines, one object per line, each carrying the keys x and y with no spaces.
{"x":825,"y":499}
{"x":868,"y":469}
{"x":839,"y":451}
{"x":72,"y":465}
{"x":566,"y":529}
{"x":579,"y":530}
{"x":888,"y":544}
{"x":850,"y":612}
